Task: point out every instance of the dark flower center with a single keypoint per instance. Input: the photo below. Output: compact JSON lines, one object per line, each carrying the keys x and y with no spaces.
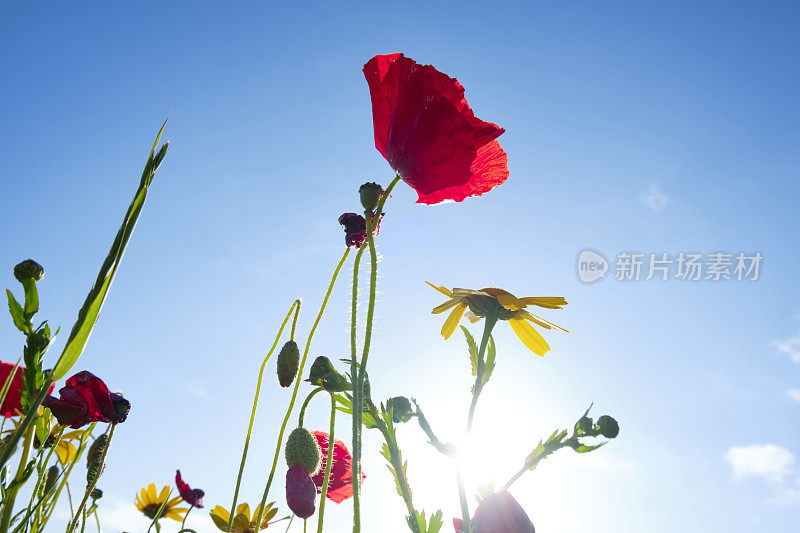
{"x":151,"y":510}
{"x":484,"y":306}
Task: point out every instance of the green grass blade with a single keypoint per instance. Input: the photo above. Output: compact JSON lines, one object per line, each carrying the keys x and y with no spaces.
{"x":87,"y":316}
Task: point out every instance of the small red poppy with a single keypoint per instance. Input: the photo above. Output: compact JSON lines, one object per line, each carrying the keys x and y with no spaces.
{"x":301,"y":494}
{"x":498,"y":513}
{"x":428,"y":133}
{"x":193,"y":497}
{"x":85,"y":399}
{"x":355,"y":228}
{"x":340,"y":483}
{"x":12,"y":404}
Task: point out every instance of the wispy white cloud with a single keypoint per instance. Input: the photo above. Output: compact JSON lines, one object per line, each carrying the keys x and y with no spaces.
{"x":790,"y":347}
{"x":654,"y":199}
{"x":794,"y":394}
{"x":770,"y":462}
{"x":197,"y":389}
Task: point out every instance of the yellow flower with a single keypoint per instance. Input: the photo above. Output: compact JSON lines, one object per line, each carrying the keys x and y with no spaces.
{"x":243,"y":521}
{"x":148,"y":502}
{"x":499,"y":304}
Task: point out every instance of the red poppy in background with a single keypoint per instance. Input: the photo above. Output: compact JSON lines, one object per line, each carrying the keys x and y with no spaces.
{"x":193,"y":497}
{"x":12,"y":403}
{"x":428,"y":133}
{"x":340,"y":483}
{"x":498,"y":513}
{"x":84,"y":399}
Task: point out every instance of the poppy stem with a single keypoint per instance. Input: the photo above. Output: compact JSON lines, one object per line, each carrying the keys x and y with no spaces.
{"x":358,"y":389}
{"x":42,"y":476}
{"x":191,"y":506}
{"x":11,"y":494}
{"x":302,"y":416}
{"x":466,"y":524}
{"x":328,"y":464}
{"x":297,"y":385}
{"x":90,"y":486}
{"x":296,"y":308}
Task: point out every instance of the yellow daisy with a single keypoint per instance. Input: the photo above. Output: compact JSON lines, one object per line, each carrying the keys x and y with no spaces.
{"x":497,"y":304}
{"x":148,"y":502}
{"x":243,"y":521}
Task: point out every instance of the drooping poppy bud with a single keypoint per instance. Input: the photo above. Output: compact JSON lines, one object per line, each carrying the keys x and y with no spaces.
{"x":301,"y":492}
{"x":96,"y":494}
{"x":324,"y":374}
{"x":28,"y":270}
{"x":302,"y":449}
{"x":401,"y":409}
{"x":94,"y":458}
{"x":355,"y":229}
{"x":607,"y":427}
{"x":370,"y":194}
{"x":288,"y":363}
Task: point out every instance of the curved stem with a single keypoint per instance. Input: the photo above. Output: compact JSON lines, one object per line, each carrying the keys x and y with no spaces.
{"x":191,"y":506}
{"x":11,"y":494}
{"x":297,"y":382}
{"x":296,"y":308}
{"x":358,"y":389}
{"x":302,"y":416}
{"x":328,"y":464}
{"x":93,"y":483}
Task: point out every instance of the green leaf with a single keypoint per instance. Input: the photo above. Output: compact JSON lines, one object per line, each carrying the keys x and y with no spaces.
{"x":17,"y":314}
{"x":89,"y":313}
{"x":31,"y":298}
{"x":490,"y":356}
{"x":436,"y":522}
{"x":583,"y":448}
{"x":473,"y":350}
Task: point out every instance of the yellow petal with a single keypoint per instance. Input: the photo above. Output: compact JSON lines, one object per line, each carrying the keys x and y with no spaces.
{"x":243,"y":509}
{"x":220,"y":512}
{"x":539,"y":321}
{"x":163,"y":495}
{"x":550,"y":302}
{"x":528,"y":335}
{"x":444,"y":307}
{"x":506,"y":299}
{"x":452,"y":320}
{"x":151,"y":493}
{"x":443,"y":290}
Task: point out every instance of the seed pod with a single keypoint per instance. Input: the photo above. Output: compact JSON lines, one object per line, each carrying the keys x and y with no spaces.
{"x":370,"y":194}
{"x":288,"y":363}
{"x":94,"y":458}
{"x":50,"y":480}
{"x":302,"y":449}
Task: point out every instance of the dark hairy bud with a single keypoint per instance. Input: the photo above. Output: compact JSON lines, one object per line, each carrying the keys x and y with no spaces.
{"x":607,"y":427}
{"x":28,"y":270}
{"x":288,"y":363}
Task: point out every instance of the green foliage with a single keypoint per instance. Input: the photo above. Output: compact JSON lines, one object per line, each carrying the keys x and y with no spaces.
{"x":323,"y":374}
{"x":17,"y":314}
{"x":473,"y":350}
{"x":89,"y":313}
{"x":419,"y":524}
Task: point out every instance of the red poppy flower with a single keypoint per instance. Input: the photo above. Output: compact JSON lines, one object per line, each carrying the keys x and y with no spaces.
{"x":340,"y":483}
{"x":301,"y":494}
{"x":193,"y":497}
{"x":355,"y":228}
{"x":429,"y":135}
{"x":12,"y":405}
{"x":498,"y":513}
{"x":84,"y":399}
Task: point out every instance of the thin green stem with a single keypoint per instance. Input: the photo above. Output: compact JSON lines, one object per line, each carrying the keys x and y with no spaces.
{"x":296,"y":308}
{"x":328,"y":463}
{"x":358,"y":386}
{"x":490,"y":322}
{"x":43,"y":475}
{"x":29,"y":416}
{"x":354,"y":377}
{"x":303,"y":407}
{"x":297,"y":383}
{"x":462,"y":499}
{"x":183,"y":523}
{"x":11,"y":494}
{"x":93,"y":482}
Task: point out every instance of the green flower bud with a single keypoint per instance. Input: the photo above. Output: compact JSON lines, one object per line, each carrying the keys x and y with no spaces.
{"x":607,"y":427}
{"x":302,"y":449}
{"x":28,"y":269}
{"x":323,"y":374}
{"x":50,"y":479}
{"x":401,"y":409}
{"x":370,"y":194}
{"x":96,"y":494}
{"x":288,"y":363}
{"x":94,"y":458}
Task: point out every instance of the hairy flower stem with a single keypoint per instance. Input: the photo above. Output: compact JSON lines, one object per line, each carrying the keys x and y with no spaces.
{"x":328,"y":464}
{"x":90,"y":486}
{"x":11,"y":494}
{"x":301,"y":418}
{"x":295,"y":307}
{"x":43,"y":474}
{"x":489,"y":323}
{"x":297,"y":385}
{"x":358,"y":385}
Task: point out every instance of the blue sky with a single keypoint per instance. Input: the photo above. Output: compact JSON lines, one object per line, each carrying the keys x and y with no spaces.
{"x":657,"y":129}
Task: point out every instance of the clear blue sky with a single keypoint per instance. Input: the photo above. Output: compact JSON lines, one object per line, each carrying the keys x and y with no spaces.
{"x":664,"y":128}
